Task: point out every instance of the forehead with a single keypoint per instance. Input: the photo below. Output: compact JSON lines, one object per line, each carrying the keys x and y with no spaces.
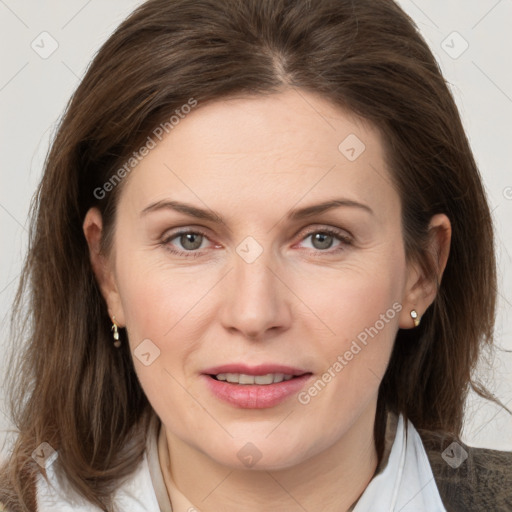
{"x":263,"y":151}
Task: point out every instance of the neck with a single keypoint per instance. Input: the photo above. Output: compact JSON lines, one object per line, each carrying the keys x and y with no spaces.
{"x":331,"y":480}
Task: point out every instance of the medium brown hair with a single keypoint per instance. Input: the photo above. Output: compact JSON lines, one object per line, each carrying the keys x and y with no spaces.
{"x":71,"y":388}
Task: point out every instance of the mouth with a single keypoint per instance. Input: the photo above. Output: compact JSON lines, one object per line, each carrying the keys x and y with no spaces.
{"x":262,"y":374}
{"x":261,"y":380}
{"x":257,"y":387}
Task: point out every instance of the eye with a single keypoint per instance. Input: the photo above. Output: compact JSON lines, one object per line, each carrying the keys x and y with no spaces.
{"x":190,"y":242}
{"x":323,"y":239}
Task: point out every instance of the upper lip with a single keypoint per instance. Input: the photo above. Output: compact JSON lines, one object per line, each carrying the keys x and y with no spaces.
{"x":261,"y":369}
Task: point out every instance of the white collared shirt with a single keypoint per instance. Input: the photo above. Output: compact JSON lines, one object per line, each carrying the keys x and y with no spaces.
{"x":405,"y":484}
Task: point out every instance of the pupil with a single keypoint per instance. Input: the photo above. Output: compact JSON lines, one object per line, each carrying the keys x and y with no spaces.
{"x":324,"y":240}
{"x":191,"y":241}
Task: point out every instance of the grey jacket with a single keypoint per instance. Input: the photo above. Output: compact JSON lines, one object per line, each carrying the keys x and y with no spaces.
{"x":482,"y":482}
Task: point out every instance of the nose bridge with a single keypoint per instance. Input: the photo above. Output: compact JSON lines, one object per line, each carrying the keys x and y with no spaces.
{"x":255,"y":302}
{"x":255,"y":279}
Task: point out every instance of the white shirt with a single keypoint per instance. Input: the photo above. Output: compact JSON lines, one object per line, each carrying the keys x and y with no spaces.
{"x":405,"y":484}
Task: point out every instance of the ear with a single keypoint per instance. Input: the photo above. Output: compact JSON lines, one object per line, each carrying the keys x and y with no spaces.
{"x":420,"y":291}
{"x":102,"y":265}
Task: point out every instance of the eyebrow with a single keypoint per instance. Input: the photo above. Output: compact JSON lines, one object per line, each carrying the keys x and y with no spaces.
{"x":212,"y":216}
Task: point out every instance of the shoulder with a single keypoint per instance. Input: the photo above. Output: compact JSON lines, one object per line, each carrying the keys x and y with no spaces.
{"x":469,"y":478}
{"x":134,"y":493}
{"x":49,"y":489}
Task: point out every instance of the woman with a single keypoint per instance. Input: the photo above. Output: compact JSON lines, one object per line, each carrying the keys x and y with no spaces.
{"x":253,"y":272}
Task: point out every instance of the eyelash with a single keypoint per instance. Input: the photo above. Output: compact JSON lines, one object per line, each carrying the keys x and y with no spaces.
{"x":346,"y":240}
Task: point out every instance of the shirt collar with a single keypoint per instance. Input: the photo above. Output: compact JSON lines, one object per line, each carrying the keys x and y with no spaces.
{"x":403,"y":480}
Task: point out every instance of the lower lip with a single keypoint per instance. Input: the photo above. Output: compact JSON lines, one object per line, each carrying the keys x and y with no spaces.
{"x":255,"y":396}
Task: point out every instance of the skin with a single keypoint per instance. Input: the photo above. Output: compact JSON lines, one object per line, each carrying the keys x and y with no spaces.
{"x":300,"y":303}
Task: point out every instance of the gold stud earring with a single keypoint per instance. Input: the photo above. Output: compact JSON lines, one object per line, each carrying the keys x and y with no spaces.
{"x":415,"y":317}
{"x":117,"y":343}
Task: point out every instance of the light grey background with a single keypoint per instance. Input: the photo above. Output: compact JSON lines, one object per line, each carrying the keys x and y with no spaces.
{"x":34,"y":91}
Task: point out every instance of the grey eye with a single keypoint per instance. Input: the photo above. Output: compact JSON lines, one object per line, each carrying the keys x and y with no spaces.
{"x":321,"y":240}
{"x":191,"y":241}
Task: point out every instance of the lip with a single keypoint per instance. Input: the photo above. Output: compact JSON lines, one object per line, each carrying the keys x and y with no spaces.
{"x":261,"y":369}
{"x":254,"y":396}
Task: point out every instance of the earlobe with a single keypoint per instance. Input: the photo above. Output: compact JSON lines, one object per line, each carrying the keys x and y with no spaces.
{"x":102,"y":264}
{"x":421,"y":290}
{"x":413,"y":308}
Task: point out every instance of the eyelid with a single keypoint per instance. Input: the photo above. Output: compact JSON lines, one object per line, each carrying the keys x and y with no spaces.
{"x":166,"y":238}
{"x":323,"y":228}
{"x":173,"y":233}
{"x":343,"y":236}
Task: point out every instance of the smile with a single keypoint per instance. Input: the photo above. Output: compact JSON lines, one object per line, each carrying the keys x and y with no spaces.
{"x":244,"y":379}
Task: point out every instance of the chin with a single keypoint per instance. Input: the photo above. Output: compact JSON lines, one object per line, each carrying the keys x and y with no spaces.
{"x":256,"y":456}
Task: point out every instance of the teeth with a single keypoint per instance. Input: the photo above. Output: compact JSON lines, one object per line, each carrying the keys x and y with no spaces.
{"x":242,"y":378}
{"x":245,"y":379}
{"x":264,"y":379}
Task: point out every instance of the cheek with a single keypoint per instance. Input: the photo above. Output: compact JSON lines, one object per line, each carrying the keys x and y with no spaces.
{"x":162,"y":332}
{"x":364,"y":327}
{"x":154,"y":297}
{"x":358,"y":296}
{"x":354,"y":363}
{"x":360,"y":310}
{"x":165,"y":306}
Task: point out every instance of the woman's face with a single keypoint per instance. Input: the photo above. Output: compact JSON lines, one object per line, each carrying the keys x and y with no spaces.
{"x":267,"y":282}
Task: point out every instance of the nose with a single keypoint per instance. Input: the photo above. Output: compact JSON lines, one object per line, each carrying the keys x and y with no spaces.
{"x":256,"y":303}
